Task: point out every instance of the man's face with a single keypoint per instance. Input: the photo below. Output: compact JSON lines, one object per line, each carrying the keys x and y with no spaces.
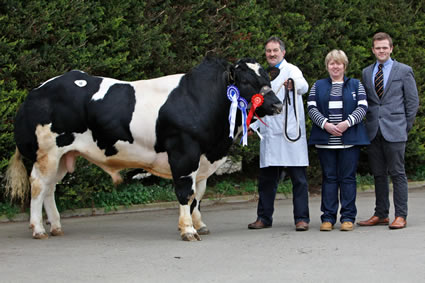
{"x":382,"y":50}
{"x":273,"y":53}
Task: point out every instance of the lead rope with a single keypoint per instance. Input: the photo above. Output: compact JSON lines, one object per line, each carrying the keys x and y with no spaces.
{"x":287,"y":103}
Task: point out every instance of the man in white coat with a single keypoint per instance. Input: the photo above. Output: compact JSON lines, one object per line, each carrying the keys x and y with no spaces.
{"x":283,"y":147}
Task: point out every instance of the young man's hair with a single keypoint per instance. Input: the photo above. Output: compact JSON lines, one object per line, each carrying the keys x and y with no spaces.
{"x":382,"y":36}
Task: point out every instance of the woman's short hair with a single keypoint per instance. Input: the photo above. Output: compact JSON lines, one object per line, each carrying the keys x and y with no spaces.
{"x":338,"y":56}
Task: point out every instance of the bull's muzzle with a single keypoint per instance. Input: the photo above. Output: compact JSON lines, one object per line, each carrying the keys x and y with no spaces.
{"x":277,"y":108}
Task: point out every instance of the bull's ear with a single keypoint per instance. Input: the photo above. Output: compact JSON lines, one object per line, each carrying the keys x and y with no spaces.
{"x":273,"y":72}
{"x":229,"y":75}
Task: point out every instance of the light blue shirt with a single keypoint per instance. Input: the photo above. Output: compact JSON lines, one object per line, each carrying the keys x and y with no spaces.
{"x":386,"y":69}
{"x":278,"y":64}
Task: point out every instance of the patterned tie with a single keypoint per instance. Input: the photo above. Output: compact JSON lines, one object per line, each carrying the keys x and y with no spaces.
{"x":379,"y":81}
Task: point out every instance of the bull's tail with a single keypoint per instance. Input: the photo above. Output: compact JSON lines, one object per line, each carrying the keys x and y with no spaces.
{"x":17,"y":183}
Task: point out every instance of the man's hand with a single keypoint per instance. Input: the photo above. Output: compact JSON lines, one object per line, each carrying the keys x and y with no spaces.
{"x":288,"y":85}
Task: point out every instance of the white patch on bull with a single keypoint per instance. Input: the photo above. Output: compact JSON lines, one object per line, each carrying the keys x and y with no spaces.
{"x":191,"y":175}
{"x":104,"y":87}
{"x":255,"y":67}
{"x":80,"y":83}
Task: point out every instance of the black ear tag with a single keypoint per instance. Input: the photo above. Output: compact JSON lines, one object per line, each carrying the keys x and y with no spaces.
{"x":273,"y":72}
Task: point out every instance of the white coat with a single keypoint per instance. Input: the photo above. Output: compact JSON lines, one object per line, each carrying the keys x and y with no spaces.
{"x":275,"y":149}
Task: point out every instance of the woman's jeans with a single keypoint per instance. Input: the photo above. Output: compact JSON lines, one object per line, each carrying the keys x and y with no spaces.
{"x":339,"y":168}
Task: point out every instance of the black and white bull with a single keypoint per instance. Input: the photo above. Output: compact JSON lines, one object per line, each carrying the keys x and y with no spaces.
{"x":174,"y":126}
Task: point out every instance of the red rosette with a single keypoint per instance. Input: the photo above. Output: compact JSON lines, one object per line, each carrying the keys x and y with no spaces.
{"x":256,"y":100}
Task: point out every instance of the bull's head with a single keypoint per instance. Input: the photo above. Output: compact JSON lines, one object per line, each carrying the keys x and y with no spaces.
{"x":251,"y":79}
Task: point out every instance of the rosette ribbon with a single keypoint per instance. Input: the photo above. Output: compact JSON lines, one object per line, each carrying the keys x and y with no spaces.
{"x":256,"y":100}
{"x":242,"y":105}
{"x":233,"y":96}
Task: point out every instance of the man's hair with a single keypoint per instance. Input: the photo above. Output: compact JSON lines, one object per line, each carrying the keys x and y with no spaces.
{"x":382,"y":36}
{"x":278,"y":40}
{"x":338,"y":56}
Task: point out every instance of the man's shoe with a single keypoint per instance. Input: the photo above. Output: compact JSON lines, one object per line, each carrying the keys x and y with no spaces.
{"x":347,"y":226}
{"x":326,"y":226}
{"x":301,"y":226}
{"x":374,"y":220}
{"x":258,"y":225}
{"x":398,"y":223}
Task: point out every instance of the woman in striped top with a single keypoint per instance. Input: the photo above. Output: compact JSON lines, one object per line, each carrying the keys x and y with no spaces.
{"x":337,"y":106}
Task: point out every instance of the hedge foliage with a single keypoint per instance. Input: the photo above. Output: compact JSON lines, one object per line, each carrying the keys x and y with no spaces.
{"x":141,"y":39}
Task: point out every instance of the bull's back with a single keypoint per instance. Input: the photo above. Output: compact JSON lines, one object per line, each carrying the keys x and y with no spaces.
{"x":110,"y":122}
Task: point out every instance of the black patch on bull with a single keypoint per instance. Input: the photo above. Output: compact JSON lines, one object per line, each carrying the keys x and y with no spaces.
{"x":65,"y":139}
{"x":109,"y":118}
{"x":193,"y":117}
{"x":193,"y":205}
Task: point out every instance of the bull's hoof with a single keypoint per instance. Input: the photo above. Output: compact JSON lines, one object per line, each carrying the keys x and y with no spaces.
{"x":191,"y":237}
{"x":40,"y":236}
{"x":203,"y":231}
{"x":57,"y":232}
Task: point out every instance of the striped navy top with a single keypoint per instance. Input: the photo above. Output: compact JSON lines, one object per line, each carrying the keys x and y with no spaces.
{"x":336,"y":111}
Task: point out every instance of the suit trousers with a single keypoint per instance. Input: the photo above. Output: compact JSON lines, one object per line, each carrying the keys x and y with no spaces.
{"x":387,"y":158}
{"x":268,"y":181}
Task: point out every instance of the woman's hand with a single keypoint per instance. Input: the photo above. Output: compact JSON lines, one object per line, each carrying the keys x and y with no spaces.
{"x":333,"y":129}
{"x":342,"y":126}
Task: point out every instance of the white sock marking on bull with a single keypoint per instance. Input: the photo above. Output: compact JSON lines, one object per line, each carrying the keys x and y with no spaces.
{"x":81,"y":83}
{"x":187,"y":231}
{"x":255,"y":67}
{"x":104,"y":87}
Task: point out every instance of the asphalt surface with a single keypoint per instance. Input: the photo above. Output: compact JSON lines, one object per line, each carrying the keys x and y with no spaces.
{"x":146,"y":247}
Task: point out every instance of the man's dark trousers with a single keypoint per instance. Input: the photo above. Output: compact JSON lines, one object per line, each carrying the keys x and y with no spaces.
{"x":387,"y":158}
{"x":268,"y":181}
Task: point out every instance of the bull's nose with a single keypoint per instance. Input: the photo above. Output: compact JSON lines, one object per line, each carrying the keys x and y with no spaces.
{"x":277,"y":108}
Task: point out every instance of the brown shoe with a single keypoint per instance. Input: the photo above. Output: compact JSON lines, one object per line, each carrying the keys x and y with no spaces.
{"x":258,"y":225}
{"x":326,"y":226}
{"x":398,"y":223}
{"x":374,"y":220}
{"x":301,"y":226}
{"x":347,"y":226}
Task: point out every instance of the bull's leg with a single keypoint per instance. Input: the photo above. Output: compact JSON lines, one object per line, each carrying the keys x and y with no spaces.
{"x":50,"y":203}
{"x":44,"y":175}
{"x":39,"y":188}
{"x":200,"y":226}
{"x":183,"y":156}
{"x":185,"y":191}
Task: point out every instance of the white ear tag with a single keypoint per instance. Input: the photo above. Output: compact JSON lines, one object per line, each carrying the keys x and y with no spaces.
{"x":81,"y":83}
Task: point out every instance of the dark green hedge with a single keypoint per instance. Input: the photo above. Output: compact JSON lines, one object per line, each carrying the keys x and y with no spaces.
{"x":141,"y":39}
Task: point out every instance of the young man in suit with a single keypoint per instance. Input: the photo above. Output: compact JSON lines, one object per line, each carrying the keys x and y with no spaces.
{"x":393,"y":102}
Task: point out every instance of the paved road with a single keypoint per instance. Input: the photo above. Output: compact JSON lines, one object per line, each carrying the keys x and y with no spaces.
{"x":145,"y":247}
